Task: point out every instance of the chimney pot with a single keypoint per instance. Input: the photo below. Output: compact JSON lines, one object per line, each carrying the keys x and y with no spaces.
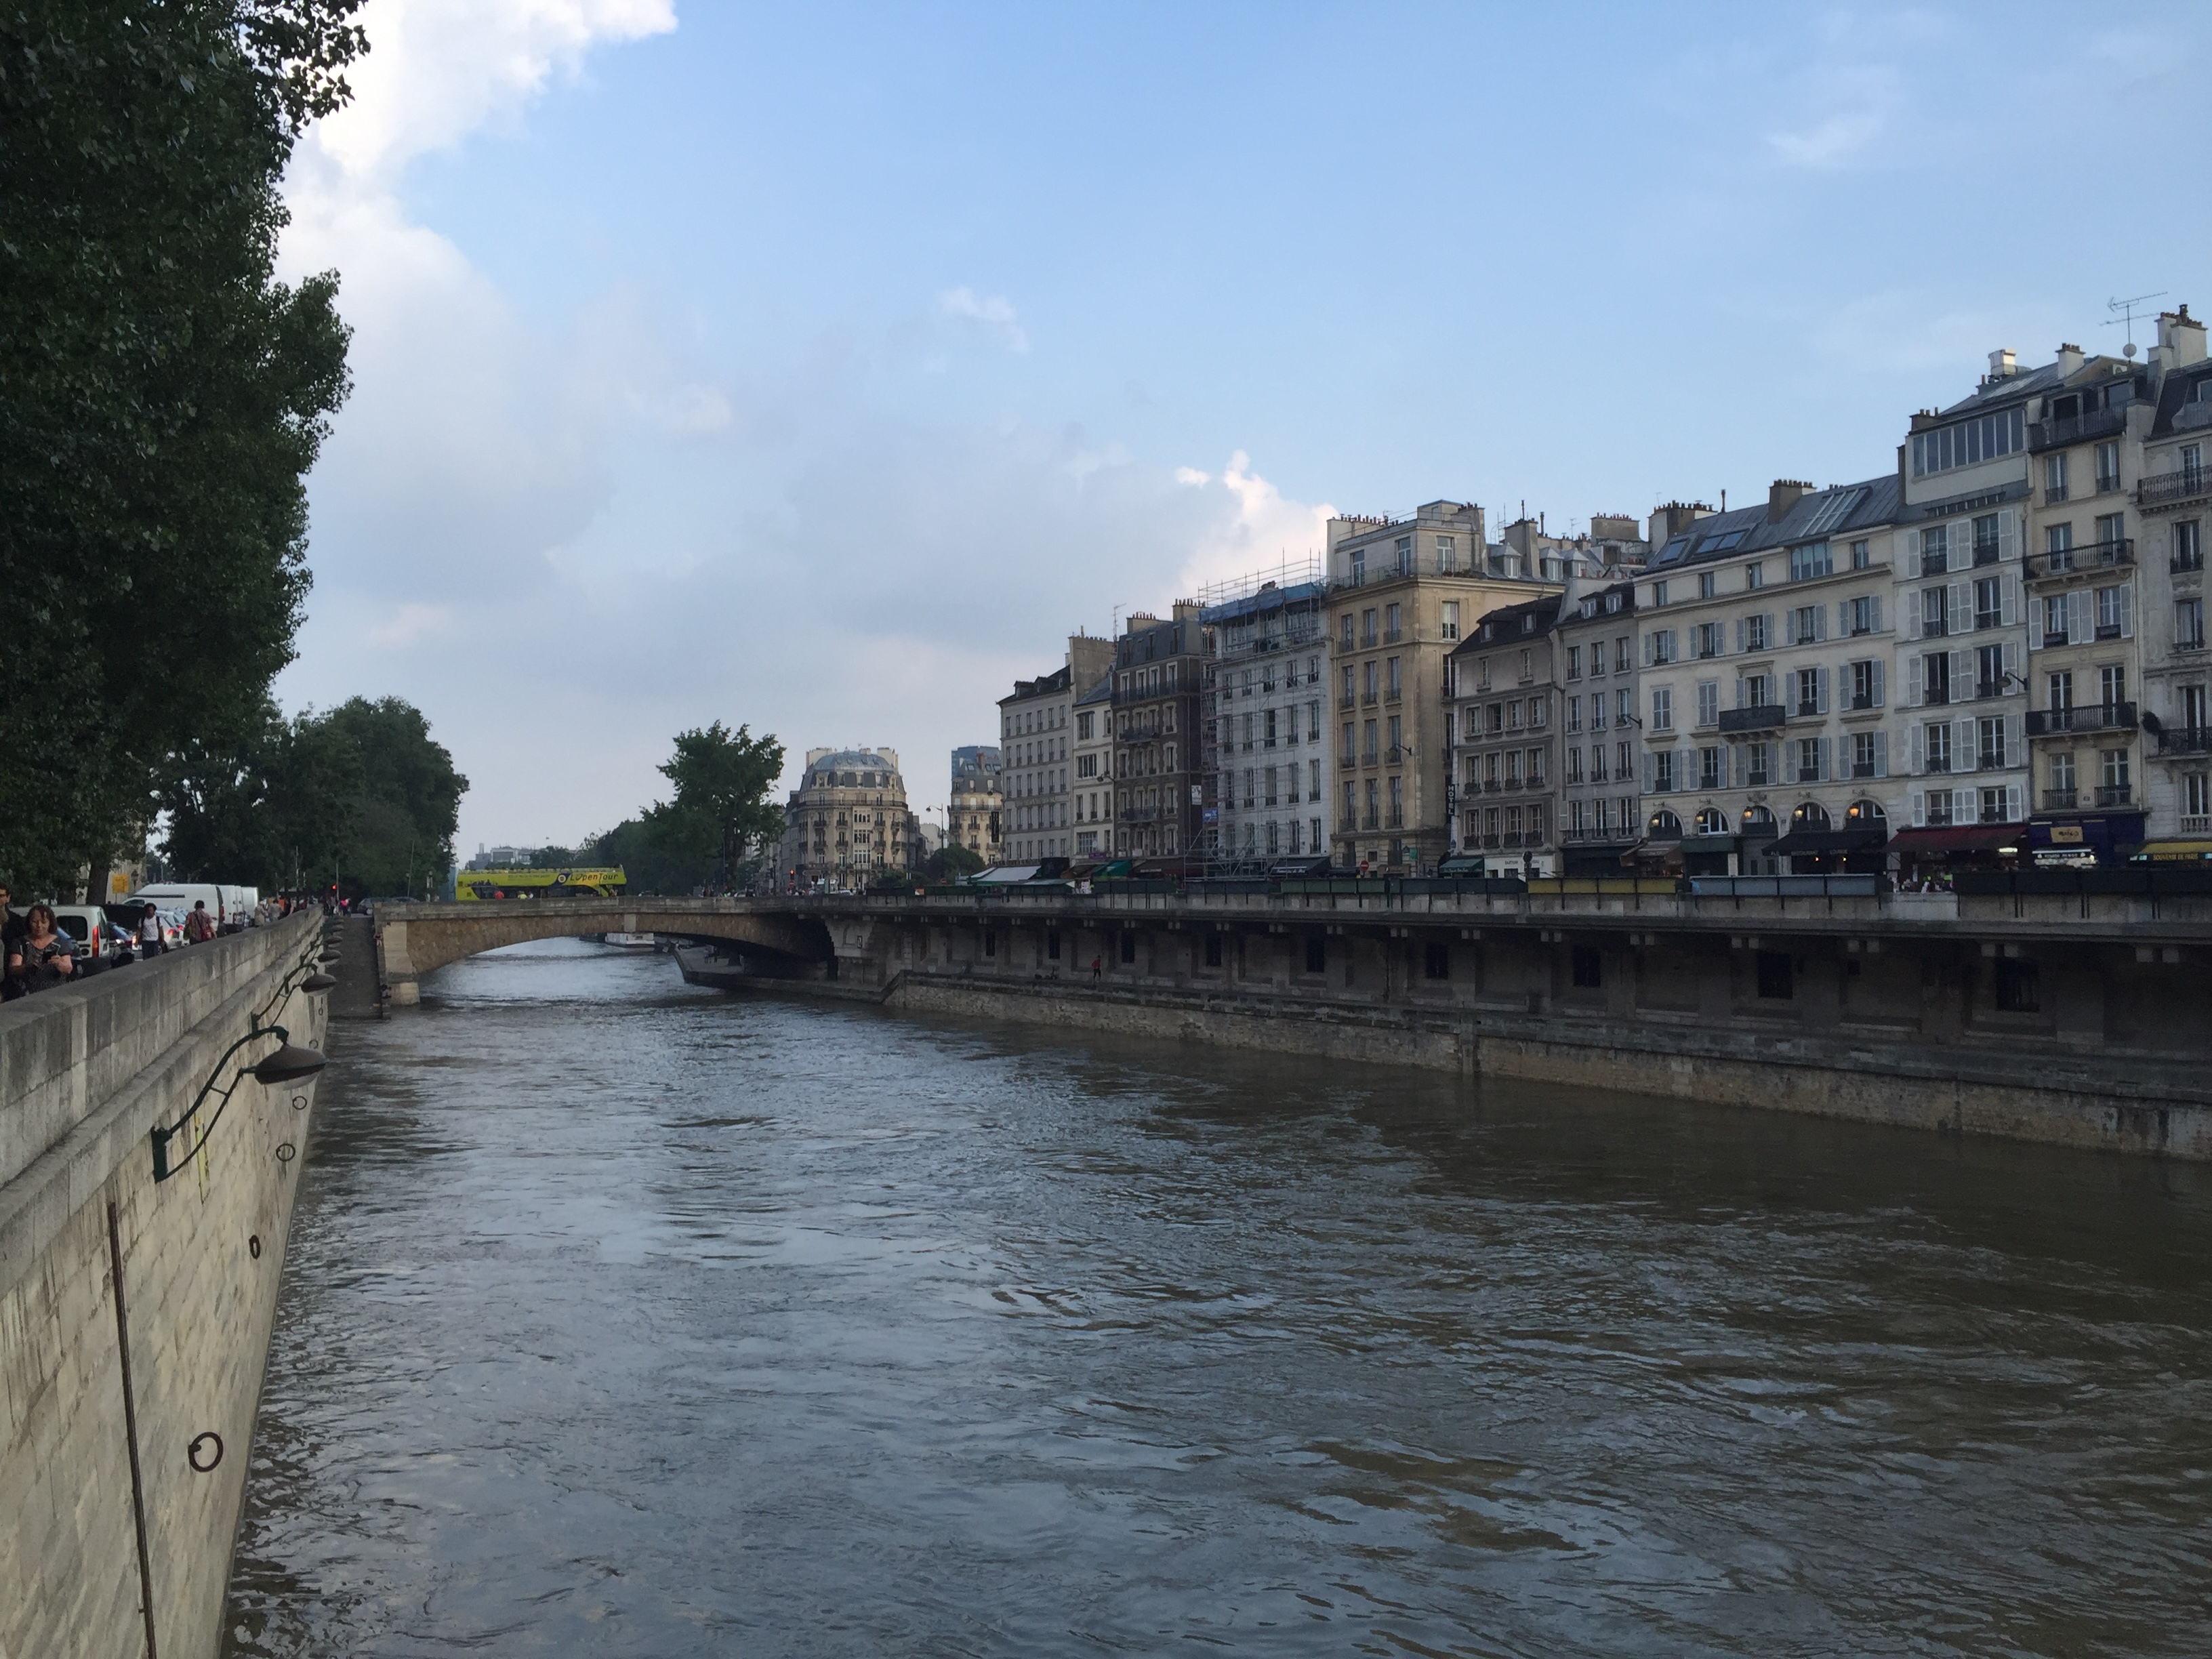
{"x":2004,"y":364}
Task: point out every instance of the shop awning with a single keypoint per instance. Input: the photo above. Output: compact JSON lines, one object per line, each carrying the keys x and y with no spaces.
{"x":1709,"y":843}
{"x":1960,"y":838}
{"x":999,"y":874}
{"x":1804,"y":843}
{"x":2177,"y":851}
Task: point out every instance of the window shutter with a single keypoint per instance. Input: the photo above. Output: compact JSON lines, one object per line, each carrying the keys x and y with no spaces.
{"x":1963,"y":756}
{"x":1820,"y":622}
{"x":1958,"y":606}
{"x":1739,"y":641}
{"x":2127,"y":610}
{"x":1912,"y":616}
{"x":1919,"y":753}
{"x":1875,"y":603}
{"x":2015,"y":741}
{"x":1827,"y":756}
{"x":1882,"y":754}
{"x":2079,"y":627}
{"x":1790,"y":628}
{"x":1877,"y":667}
{"x":2013,"y":812}
{"x":1740,"y":687}
{"x":1649,"y":769}
{"x":2009,"y":600}
{"x":2008,"y":535}
{"x":1649,"y":641}
{"x":1919,"y":806}
{"x":1913,"y":690}
{"x":2012,"y":657}
{"x":1821,"y":689}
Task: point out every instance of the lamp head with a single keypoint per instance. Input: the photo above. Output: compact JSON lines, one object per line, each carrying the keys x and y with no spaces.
{"x":289,"y":1064}
{"x":318,"y":983}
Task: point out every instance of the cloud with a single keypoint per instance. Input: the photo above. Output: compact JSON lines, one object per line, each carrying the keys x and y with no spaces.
{"x":1860,"y":100}
{"x":1255,"y":526}
{"x":410,"y":624}
{"x":996,"y":314}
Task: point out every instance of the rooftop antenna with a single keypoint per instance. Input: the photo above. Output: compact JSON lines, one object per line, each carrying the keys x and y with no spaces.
{"x":2127,"y":317}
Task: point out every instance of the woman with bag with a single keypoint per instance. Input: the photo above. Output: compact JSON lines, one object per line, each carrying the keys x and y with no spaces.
{"x":45,"y":957}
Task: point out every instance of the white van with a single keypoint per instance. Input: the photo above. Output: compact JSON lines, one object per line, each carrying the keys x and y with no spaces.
{"x":230,"y":906}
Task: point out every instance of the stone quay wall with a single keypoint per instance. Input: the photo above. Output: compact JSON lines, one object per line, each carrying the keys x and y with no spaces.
{"x":118,"y":1517}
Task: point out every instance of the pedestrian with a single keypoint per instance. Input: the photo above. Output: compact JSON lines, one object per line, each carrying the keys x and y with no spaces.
{"x":150,"y":942}
{"x":45,"y":956}
{"x":199,"y":927}
{"x":11,"y":929}
{"x":1097,"y":970}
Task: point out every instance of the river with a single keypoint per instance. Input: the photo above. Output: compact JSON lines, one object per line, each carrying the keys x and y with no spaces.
{"x":621,"y":1317}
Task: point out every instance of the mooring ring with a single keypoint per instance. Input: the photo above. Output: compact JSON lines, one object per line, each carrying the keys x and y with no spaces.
{"x":214,"y":1441}
{"x":254,"y":1245}
{"x":299,"y":1103}
{"x":285,"y":1151}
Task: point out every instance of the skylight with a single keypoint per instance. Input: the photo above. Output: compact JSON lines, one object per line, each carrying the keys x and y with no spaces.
{"x":1722,"y":542}
{"x":1839,"y":506}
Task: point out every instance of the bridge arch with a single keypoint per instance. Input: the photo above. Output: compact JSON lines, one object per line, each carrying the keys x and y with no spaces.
{"x":415,"y":939}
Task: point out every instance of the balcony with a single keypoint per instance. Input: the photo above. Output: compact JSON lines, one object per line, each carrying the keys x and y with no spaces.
{"x":2191,"y":483}
{"x":1346,"y":701}
{"x":2085,"y":717}
{"x":1934,"y":564}
{"x":2188,"y":740}
{"x":2051,"y":641}
{"x":1992,"y":760}
{"x":2114,"y":794}
{"x":2057,"y":434}
{"x":2081,"y":561}
{"x":2054,"y":494}
{"x":1764,"y":718}
{"x":1492,"y":785}
{"x":1395,"y":754}
{"x":2061,"y":801}
{"x":1985,"y":553}
{"x":2182,"y":564}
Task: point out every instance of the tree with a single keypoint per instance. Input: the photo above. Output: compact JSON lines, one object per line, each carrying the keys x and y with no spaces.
{"x":723,"y":779}
{"x":361,"y":796}
{"x":951,"y":861}
{"x":161,"y":397}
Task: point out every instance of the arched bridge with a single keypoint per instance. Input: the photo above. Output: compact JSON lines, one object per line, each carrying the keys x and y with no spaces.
{"x":413,"y":939}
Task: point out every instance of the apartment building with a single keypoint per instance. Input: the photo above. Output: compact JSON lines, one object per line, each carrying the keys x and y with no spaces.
{"x":2085,"y":438}
{"x":1158,"y":786}
{"x":1094,"y":769}
{"x":1763,"y":713}
{"x":1597,"y":806}
{"x":1036,"y":728}
{"x":973,"y":813}
{"x":1402,"y":593}
{"x":2173,"y":506}
{"x":1613,"y":545}
{"x":1263,"y":722}
{"x":846,"y":822}
{"x":1504,"y":686}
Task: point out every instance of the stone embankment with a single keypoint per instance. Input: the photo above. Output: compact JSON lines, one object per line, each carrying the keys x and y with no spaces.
{"x":135,"y":1314}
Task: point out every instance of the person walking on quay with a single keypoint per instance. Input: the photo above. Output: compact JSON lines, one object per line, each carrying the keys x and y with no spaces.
{"x":45,"y":956}
{"x":199,"y":927}
{"x":150,"y":942}
{"x":1097,"y":970}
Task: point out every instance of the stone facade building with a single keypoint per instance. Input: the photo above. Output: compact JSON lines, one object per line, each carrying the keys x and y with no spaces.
{"x":1402,"y":594}
{"x":1504,"y":687}
{"x":1263,"y":723}
{"x":1594,"y":645}
{"x":974,"y":814}
{"x":1036,"y":727}
{"x":2173,"y":511}
{"x":1158,"y":787}
{"x":1094,"y":770}
{"x":848,"y":821}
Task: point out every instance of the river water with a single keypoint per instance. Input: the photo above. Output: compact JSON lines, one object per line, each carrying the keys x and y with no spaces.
{"x":626,"y":1318}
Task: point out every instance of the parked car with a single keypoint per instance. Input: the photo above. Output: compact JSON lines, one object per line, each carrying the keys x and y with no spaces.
{"x":100,"y":942}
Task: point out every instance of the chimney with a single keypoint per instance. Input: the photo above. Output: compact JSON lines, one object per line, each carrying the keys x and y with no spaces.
{"x":2181,"y":338}
{"x":2069,"y":361}
{"x":1670,"y":520}
{"x":2003,"y":364}
{"x":1785,"y":493}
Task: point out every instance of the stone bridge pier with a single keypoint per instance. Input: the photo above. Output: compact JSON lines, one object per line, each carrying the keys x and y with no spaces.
{"x":414,"y":939}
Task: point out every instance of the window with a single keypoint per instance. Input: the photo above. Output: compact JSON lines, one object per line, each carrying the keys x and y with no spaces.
{"x":1754,"y":636}
{"x":1990,"y":671}
{"x":1392,"y":631}
{"x":1451,"y":606}
{"x":1969,"y":442}
{"x":1755,"y":691}
{"x":1574,"y":714}
{"x":1587,"y":967}
{"x":1936,"y":742}
{"x":1996,"y":806}
{"x":1082,"y":726}
{"x":1867,"y":758}
{"x":1865,"y":684}
{"x":1863,"y":615}
{"x":1708,"y":584}
{"x":1345,"y":621}
{"x":1367,"y":627}
{"x":2189,"y":546}
{"x":1989,"y":743}
{"x":1372,"y":747}
{"x":2189,"y":625}
{"x":1397,"y":803}
{"x":1662,"y":772}
{"x":2063,"y":782}
{"x":1367,"y":681}
{"x":1811,"y":754}
{"x":1988,"y":603}
{"x":2114,"y":621}
{"x":1758,"y":765}
{"x":2017,"y":991}
{"x":1936,"y":676}
{"x":1447,"y":554}
{"x":1935,"y":615}
{"x":1620,"y":658}
{"x":1934,"y":549}
{"x":2111,"y":530}
{"x":1574,"y":662}
{"x":1774,"y":976}
{"x":1659,"y":647}
{"x":1663,"y":708}
{"x":2054,"y":477}
{"x":1405,"y":551}
{"x":1861,"y":555}
{"x":1811,"y":559}
{"x":1755,"y":575}
{"x":1705,"y":640}
{"x":2108,"y":467}
{"x":1712,"y":770}
{"x":1709,"y":702}
{"x":1988,"y":539}
{"x":1539,"y":711}
{"x":1807,"y":688}
{"x":1804,"y":624}
{"x":1437,"y":962}
{"x":2113,"y":775}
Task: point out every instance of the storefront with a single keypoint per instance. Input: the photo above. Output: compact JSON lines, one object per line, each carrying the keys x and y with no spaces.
{"x":2174,"y":852}
{"x":2109,"y":838}
{"x":1941,"y":850}
{"x":1595,"y":858}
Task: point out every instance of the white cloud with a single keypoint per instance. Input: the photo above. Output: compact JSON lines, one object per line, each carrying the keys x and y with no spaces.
{"x":996,"y":314}
{"x":1260,"y":528}
{"x":410,"y":624}
{"x":1852,"y":108}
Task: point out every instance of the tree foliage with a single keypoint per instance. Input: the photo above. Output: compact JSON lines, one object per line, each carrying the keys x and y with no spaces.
{"x":161,"y":397}
{"x":951,"y":861}
{"x":362,"y":795}
{"x":723,"y":779}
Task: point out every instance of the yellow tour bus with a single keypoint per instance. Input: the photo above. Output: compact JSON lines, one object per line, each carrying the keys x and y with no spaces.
{"x":538,"y":883}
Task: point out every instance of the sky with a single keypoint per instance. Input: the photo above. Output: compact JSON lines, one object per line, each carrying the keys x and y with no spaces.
{"x":822,"y":368}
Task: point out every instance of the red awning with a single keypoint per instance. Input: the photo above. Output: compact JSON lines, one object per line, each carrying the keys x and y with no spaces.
{"x":1960,"y":838}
